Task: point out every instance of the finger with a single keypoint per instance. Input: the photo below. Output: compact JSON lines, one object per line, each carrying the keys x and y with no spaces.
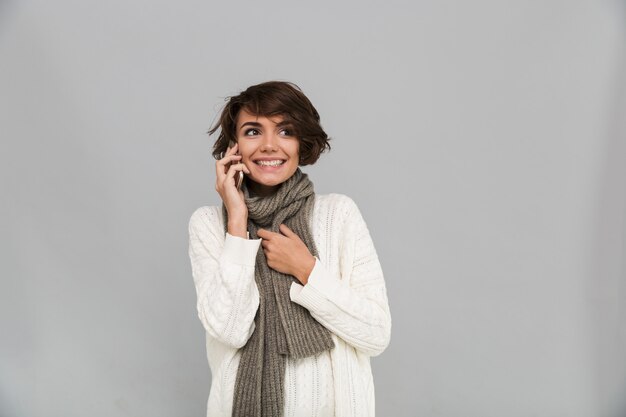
{"x":221,"y":165}
{"x":266,"y":234}
{"x":224,"y":153}
{"x":240,"y":166}
{"x":230,"y":151}
{"x":228,"y":180}
{"x":228,"y":158}
{"x":233,"y":150}
{"x":265,"y":244}
{"x":286,"y":230}
{"x":232,"y":170}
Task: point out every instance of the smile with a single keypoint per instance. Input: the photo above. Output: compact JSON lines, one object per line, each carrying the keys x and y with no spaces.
{"x":271,"y":163}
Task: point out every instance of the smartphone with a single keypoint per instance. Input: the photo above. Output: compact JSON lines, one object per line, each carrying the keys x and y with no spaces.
{"x":238,"y":174}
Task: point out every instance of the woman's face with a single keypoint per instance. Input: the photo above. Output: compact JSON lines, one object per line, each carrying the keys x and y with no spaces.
{"x":269,"y":150}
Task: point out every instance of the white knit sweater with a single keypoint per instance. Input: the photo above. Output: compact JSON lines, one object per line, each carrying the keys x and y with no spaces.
{"x":345,"y":292}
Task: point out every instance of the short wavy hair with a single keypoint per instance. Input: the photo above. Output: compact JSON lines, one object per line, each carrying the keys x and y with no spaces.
{"x":274,"y":98}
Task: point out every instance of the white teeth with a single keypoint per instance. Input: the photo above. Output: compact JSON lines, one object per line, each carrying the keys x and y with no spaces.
{"x":270,"y":163}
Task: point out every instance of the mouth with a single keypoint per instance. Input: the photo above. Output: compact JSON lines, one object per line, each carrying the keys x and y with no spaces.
{"x":269,"y":162}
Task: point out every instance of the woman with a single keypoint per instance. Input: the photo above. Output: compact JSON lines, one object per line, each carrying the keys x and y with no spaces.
{"x":289,"y":287}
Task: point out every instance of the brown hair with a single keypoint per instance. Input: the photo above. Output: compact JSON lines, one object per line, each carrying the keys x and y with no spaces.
{"x":273,"y":98}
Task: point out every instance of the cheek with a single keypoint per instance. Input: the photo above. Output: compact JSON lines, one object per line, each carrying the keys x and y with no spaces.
{"x":244,"y":150}
{"x":296,"y":151}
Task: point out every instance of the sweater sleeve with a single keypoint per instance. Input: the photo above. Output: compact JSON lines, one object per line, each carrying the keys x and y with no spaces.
{"x":223,"y":274}
{"x":353,"y":303}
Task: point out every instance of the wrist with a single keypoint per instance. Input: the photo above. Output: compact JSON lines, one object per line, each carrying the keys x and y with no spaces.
{"x":305,"y":271}
{"x":238,"y":228}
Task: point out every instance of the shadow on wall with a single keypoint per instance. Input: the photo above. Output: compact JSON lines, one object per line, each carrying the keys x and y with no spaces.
{"x":607,"y":273}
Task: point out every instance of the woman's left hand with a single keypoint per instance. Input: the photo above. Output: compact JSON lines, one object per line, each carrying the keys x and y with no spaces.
{"x":286,"y":252}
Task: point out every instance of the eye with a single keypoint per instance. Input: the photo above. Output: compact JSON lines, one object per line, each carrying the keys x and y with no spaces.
{"x":286,"y":132}
{"x":248,"y":132}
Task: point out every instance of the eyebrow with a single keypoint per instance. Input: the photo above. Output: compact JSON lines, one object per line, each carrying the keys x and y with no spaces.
{"x":257,"y":124}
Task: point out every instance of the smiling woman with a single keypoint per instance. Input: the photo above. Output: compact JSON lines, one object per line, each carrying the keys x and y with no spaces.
{"x":268,"y":148}
{"x":289,"y":287}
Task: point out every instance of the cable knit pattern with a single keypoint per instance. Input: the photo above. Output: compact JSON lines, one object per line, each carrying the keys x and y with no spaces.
{"x":345,"y":293}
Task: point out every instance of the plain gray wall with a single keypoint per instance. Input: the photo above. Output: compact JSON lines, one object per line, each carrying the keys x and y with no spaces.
{"x":483,"y":142}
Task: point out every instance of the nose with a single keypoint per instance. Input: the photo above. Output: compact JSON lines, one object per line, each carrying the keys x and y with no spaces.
{"x":270,"y":142}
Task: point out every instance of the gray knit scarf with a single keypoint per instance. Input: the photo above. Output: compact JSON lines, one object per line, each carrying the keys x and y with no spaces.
{"x":282,"y":328}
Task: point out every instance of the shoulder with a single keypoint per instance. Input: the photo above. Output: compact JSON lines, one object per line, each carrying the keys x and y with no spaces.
{"x":335,"y":205}
{"x":206,"y":218}
{"x":334,"y":201}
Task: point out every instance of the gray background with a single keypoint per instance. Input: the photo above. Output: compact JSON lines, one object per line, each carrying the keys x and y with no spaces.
{"x":483,"y":142}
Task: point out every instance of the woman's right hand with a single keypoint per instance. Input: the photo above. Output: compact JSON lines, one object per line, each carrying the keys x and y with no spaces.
{"x":226,"y":168}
